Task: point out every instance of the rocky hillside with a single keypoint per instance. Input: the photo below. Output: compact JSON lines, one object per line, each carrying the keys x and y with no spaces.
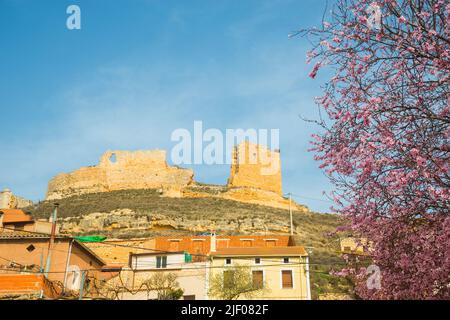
{"x":145,"y":213}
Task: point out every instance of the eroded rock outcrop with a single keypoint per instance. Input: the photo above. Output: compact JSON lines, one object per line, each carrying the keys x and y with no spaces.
{"x":127,"y":222}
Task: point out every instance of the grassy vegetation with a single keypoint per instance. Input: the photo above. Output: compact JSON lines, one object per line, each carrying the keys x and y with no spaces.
{"x":311,"y":228}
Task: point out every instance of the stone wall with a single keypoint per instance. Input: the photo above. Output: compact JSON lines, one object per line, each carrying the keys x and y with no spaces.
{"x":10,"y":201}
{"x":120,"y":170}
{"x":255,"y":177}
{"x":255,"y":166}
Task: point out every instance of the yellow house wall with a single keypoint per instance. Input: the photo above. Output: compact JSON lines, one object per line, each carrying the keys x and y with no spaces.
{"x":272,"y":267}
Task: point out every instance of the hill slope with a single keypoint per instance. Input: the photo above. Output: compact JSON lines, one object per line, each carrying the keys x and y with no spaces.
{"x":144,"y":213}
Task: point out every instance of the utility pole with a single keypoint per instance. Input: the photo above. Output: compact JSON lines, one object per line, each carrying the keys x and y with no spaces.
{"x":290,"y":213}
{"x":308,"y":282}
{"x":52,"y":240}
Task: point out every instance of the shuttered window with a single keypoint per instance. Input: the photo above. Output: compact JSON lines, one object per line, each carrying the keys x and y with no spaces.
{"x":247,"y":243}
{"x":222,"y":244}
{"x":161,"y":262}
{"x":286,"y":279}
{"x":271,"y":243}
{"x":257,"y":279}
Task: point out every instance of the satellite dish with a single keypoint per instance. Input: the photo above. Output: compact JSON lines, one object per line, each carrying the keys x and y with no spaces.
{"x":73,"y":278}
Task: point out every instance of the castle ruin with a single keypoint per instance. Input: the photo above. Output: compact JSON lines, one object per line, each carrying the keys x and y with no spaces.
{"x":121,"y":170}
{"x":10,"y":201}
{"x":255,"y":166}
{"x":255,"y":177}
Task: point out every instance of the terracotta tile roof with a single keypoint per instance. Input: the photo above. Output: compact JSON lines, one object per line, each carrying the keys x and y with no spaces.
{"x":18,"y":234}
{"x":202,"y":244}
{"x":117,"y":252}
{"x":15,"y":216}
{"x":261,"y":251}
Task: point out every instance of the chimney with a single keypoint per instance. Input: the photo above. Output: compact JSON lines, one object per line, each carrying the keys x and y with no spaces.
{"x":213,"y":242}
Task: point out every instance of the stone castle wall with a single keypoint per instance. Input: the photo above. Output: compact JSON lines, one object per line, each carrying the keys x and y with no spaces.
{"x":120,"y":170}
{"x":255,"y":166}
{"x":10,"y":201}
{"x":255,"y":177}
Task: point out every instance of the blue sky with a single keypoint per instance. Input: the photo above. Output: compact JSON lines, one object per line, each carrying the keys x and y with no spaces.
{"x":139,"y":69}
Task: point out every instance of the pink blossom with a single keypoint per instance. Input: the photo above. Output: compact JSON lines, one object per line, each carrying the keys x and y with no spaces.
{"x":386,"y":148}
{"x":316,"y":68}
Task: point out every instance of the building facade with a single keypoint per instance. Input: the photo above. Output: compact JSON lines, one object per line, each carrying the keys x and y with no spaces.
{"x":283,"y":272}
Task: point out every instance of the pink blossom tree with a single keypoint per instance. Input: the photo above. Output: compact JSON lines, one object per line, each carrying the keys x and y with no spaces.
{"x":384,"y":138}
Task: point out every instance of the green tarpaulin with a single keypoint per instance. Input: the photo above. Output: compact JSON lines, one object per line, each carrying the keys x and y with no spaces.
{"x":187,"y":257}
{"x":91,"y":239}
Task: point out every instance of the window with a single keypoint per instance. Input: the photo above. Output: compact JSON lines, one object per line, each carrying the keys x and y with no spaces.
{"x":257,"y":260}
{"x":228,"y":261}
{"x":189,"y":297}
{"x":247,"y":243}
{"x":258,"y":278}
{"x":285,"y":260}
{"x":271,"y":243}
{"x":31,"y":248}
{"x":228,"y":279}
{"x":286,"y":279}
{"x":113,"y":158}
{"x":161,"y":262}
{"x":222,"y":243}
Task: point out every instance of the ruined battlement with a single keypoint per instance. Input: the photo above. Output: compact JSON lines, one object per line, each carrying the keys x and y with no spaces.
{"x":10,"y":201}
{"x":121,"y":170}
{"x":255,"y":177}
{"x":255,"y":166}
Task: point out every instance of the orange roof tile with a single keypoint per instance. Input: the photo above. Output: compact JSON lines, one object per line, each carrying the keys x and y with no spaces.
{"x":15,"y":216}
{"x":261,"y":251}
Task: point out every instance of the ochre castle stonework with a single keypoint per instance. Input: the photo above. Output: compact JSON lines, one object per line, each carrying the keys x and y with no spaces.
{"x":255,"y":166}
{"x":10,"y":201}
{"x":121,"y":170}
{"x":252,"y":180}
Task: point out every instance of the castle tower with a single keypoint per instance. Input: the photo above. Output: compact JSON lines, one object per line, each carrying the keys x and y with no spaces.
{"x":255,"y":166}
{"x":7,"y":200}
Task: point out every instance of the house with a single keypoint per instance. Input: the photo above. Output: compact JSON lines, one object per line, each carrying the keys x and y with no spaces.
{"x":30,"y":286}
{"x":25,"y":252}
{"x":155,"y":266}
{"x":116,"y":253}
{"x":358,"y":246}
{"x":17,"y":219}
{"x":200,"y":246}
{"x":283,"y":272}
{"x":274,"y":261}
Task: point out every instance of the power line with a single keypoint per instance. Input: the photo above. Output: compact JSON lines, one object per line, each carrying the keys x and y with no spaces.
{"x":210,"y":267}
{"x":309,"y":198}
